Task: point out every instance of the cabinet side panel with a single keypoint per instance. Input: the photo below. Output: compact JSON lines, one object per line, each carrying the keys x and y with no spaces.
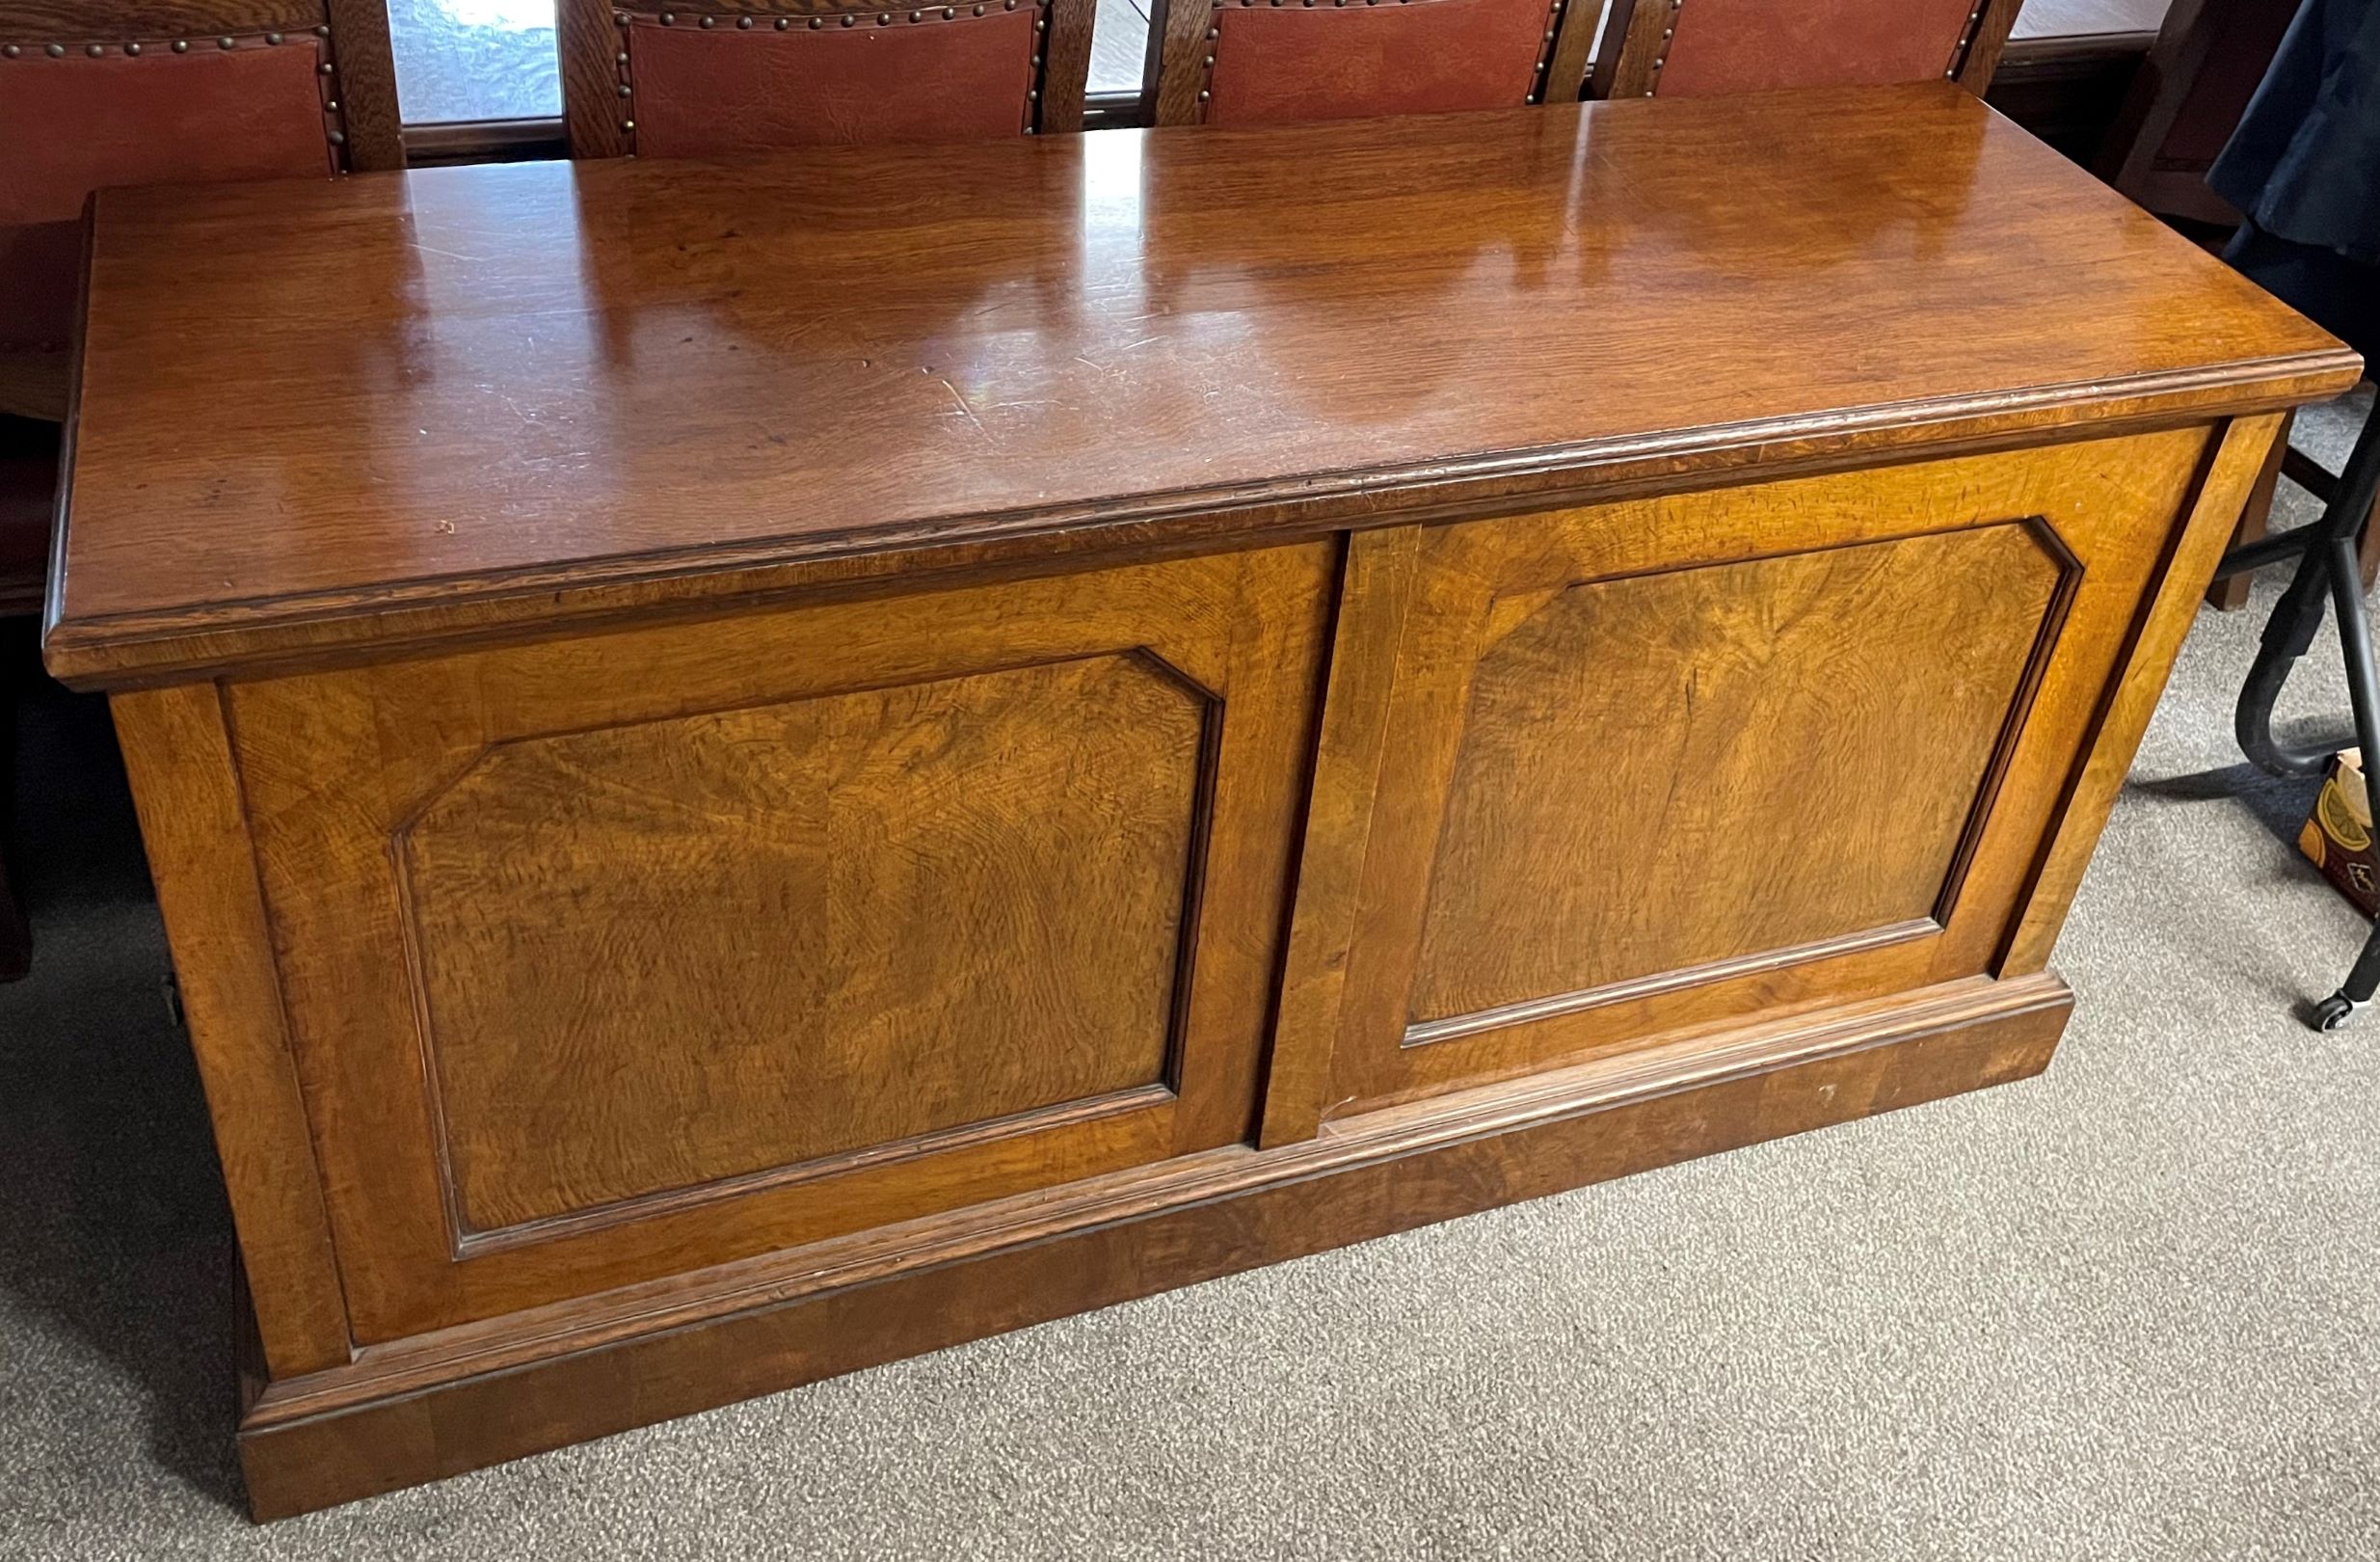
{"x":2131,"y":695}
{"x":194,"y":824}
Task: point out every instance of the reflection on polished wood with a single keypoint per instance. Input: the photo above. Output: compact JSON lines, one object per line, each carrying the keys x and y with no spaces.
{"x":654,"y":385}
{"x":757,"y":767}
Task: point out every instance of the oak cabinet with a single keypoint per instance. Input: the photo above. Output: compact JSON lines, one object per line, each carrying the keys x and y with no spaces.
{"x":608,"y":958}
{"x":1678,"y":759}
{"x":756,"y":767}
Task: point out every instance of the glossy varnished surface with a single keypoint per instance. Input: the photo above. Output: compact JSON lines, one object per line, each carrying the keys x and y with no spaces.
{"x":299,"y":401}
{"x":1725,"y":560}
{"x":819,"y":919}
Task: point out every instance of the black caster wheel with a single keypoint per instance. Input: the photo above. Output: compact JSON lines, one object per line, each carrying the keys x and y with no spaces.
{"x":2332,"y":1012}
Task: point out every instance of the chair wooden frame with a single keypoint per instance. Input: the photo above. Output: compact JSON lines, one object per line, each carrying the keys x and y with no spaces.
{"x":1636,"y":39}
{"x":2133,"y":155}
{"x":599,"y":84}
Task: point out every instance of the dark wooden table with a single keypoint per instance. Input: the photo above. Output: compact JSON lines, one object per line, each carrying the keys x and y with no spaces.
{"x":754,"y":768}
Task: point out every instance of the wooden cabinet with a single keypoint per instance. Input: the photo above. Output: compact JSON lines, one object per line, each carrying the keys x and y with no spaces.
{"x":1679,"y":759}
{"x":755,"y":768}
{"x":607,"y":958}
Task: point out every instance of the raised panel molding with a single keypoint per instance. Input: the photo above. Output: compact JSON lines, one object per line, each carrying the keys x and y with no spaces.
{"x":873,"y":925}
{"x":1843,"y":712}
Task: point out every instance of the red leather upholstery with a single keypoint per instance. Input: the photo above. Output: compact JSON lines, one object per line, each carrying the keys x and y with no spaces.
{"x":704,"y":90}
{"x":74,"y":124}
{"x":1724,"y":46}
{"x":1326,"y":62}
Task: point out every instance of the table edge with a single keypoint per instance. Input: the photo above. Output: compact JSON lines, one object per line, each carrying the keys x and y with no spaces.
{"x":210,"y":638}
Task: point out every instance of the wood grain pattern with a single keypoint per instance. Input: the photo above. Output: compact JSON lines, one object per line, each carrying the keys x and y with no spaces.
{"x":1066,"y":66}
{"x":1352,"y":747}
{"x":1987,"y":45}
{"x":44,"y":21}
{"x":2255,"y":521}
{"x":587,"y":39}
{"x":194,"y":824}
{"x":862,"y":919}
{"x":2166,"y":602}
{"x":459,"y":1402}
{"x":780,"y":765}
{"x":723,"y":958}
{"x":2110,"y":505}
{"x":1670,"y":771}
{"x":1574,"y":48}
{"x":1633,"y":33}
{"x":1065,"y":344}
{"x":368,"y":85}
{"x":1178,"y":48}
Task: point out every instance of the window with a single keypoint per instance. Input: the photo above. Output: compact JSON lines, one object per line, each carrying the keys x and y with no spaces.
{"x":469,"y":60}
{"x":480,"y":80}
{"x":1119,"y":47}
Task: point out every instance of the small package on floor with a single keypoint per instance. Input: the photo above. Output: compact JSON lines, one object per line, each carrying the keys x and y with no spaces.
{"x":2338,"y":836}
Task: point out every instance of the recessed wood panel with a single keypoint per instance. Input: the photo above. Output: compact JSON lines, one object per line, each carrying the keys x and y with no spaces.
{"x":606,"y":959}
{"x":660,"y":954}
{"x":1667,"y":771}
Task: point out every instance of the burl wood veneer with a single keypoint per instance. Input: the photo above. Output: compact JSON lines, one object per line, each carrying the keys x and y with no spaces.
{"x":755,"y":768}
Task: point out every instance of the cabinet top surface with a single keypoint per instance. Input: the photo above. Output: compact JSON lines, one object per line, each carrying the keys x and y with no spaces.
{"x":315,"y":412}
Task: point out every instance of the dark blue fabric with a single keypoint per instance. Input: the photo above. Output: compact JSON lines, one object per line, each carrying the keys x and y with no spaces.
{"x":2341,"y":296}
{"x":2305,"y":162}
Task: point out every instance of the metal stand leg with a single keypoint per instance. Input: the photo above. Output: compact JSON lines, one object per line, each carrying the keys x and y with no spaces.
{"x":2288,"y":635}
{"x":2364,"y":692}
{"x":2329,"y":565}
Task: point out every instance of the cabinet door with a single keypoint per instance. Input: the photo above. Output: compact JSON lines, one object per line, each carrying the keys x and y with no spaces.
{"x":1650,"y":765}
{"x":608,"y":958}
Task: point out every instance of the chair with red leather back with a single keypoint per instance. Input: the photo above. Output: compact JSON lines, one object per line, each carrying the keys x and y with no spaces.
{"x":1268,"y":62}
{"x":1707,"y":48}
{"x":727,"y":76}
{"x":99,"y":93}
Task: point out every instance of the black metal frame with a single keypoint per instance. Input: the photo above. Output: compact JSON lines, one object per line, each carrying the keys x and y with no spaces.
{"x":2328,"y":567}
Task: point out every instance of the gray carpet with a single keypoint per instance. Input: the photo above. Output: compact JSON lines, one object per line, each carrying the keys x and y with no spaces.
{"x":2125,"y":1310}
